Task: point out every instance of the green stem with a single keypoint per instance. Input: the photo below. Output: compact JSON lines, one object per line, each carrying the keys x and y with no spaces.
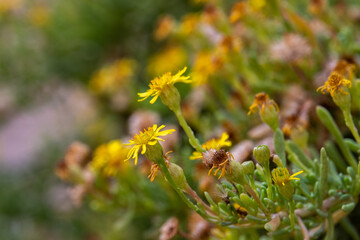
{"x":350,"y":124}
{"x":330,"y":230}
{"x":330,"y":124}
{"x":249,"y":190}
{"x":269,"y":182}
{"x":292,"y":214}
{"x":349,"y":228}
{"x":189,"y":132}
{"x":169,"y":178}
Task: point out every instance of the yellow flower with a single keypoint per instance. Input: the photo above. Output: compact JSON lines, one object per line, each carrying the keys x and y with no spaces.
{"x":162,"y":84}
{"x":109,"y":158}
{"x":261,"y":102}
{"x":335,"y":84}
{"x":110,"y":78}
{"x":147,"y":138}
{"x":281,"y":176}
{"x":214,"y":143}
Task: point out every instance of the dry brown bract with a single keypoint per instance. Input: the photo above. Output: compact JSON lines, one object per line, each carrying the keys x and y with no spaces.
{"x":219,"y":159}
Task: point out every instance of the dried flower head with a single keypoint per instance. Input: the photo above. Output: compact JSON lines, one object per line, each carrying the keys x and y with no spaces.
{"x":155,"y":167}
{"x":214,"y":143}
{"x":261,"y":102}
{"x":109,"y":158}
{"x":335,"y":84}
{"x":76,"y":155}
{"x":281,"y":176}
{"x":291,"y":48}
{"x":164,"y":27}
{"x":291,"y":123}
{"x":146,"y":138}
{"x":169,"y":229}
{"x":344,"y":67}
{"x":159,"y":85}
{"x":238,"y":11}
{"x":219,"y":159}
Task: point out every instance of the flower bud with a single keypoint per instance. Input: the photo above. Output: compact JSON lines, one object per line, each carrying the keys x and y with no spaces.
{"x":154,"y":152}
{"x":171,"y":98}
{"x":248,"y":167}
{"x":342,"y":99}
{"x":237,"y":174}
{"x":178,"y":176}
{"x":270,"y":116}
{"x":262,"y":155}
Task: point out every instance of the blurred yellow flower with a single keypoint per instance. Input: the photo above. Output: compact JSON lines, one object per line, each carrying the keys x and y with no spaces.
{"x":335,"y":83}
{"x":281,"y":176}
{"x":169,"y":59}
{"x":148,"y":137}
{"x":256,"y":5}
{"x":205,"y":65}
{"x":110,"y":78}
{"x":39,"y":15}
{"x":161,"y":84}
{"x":189,"y":23}
{"x":109,"y":158}
{"x":214,"y":143}
{"x":261,"y":102}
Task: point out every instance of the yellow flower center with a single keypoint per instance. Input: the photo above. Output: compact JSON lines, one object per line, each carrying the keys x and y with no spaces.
{"x":335,"y":80}
{"x":144,"y":137}
{"x":261,"y":98}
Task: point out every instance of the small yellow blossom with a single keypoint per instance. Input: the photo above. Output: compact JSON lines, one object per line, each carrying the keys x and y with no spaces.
{"x":109,"y":158}
{"x":261,"y":102}
{"x":161,"y":84}
{"x":143,"y":139}
{"x":335,"y":84}
{"x":214,"y":143}
{"x":111,"y":77}
{"x":281,"y":176}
